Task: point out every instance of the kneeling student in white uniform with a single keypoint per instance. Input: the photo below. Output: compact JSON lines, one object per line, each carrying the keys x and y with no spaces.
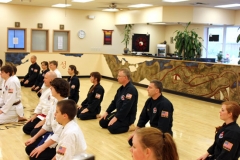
{"x":71,"y":142}
{"x":9,"y":101}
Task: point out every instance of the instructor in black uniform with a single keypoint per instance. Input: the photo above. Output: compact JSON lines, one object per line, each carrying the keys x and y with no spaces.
{"x":157,"y":109}
{"x":74,"y":83}
{"x":227,"y":139}
{"x":32,"y":74}
{"x":91,"y":106}
{"x":125,"y":103}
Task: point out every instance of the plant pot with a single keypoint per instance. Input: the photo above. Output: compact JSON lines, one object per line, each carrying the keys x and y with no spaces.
{"x":125,"y":50}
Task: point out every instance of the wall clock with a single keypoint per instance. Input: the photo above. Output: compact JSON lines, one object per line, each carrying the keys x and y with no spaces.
{"x":81,"y":34}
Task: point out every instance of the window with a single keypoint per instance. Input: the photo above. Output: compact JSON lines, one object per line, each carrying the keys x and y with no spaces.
{"x":223,"y":39}
{"x":39,"y":40}
{"x":61,"y":41}
{"x":16,"y":39}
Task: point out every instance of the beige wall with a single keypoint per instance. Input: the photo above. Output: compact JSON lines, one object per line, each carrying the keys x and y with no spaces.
{"x":213,"y":16}
{"x":177,"y":14}
{"x":74,"y":20}
{"x":139,"y":16}
{"x":237,"y":18}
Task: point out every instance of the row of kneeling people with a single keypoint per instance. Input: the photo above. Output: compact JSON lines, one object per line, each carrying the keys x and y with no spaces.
{"x":119,"y":118}
{"x":51,"y":140}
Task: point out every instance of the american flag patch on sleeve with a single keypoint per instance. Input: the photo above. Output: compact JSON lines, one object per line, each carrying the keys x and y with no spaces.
{"x":61,"y":150}
{"x":10,"y":90}
{"x":164,"y":114}
{"x":227,"y":145}
{"x":128,"y":96}
{"x":97,"y":96}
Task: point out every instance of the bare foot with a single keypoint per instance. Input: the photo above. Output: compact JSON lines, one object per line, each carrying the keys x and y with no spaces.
{"x":98,"y":116}
{"x":132,"y":127}
{"x":22,"y":119}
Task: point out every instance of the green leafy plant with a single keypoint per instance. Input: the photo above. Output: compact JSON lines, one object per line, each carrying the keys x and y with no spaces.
{"x":219,"y":56}
{"x":127,"y":32}
{"x":238,"y":38}
{"x":188,"y":43}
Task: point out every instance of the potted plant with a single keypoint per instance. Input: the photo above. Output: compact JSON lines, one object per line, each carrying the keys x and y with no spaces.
{"x":238,"y":38}
{"x":127,"y":33}
{"x":188,"y":43}
{"x":219,"y":56}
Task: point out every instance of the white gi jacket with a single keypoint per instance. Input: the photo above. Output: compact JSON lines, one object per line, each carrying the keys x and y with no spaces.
{"x":71,"y":143}
{"x":59,"y":75}
{"x":51,"y":125}
{"x":45,"y":102}
{"x":19,"y":107}
{"x":8,"y":98}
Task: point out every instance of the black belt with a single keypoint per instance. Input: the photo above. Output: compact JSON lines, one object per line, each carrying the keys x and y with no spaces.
{"x":16,"y":103}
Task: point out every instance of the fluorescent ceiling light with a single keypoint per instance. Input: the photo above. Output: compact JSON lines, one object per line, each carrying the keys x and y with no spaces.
{"x":111,"y":10}
{"x":228,"y":5}
{"x":157,"y":23}
{"x":5,"y":1}
{"x":82,"y":1}
{"x":61,"y":5}
{"x":174,"y":1}
{"x":140,"y":5}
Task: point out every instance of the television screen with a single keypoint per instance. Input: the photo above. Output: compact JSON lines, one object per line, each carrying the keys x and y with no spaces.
{"x":140,"y":42}
{"x":213,"y":38}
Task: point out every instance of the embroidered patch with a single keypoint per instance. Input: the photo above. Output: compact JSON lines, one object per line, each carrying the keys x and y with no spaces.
{"x":221,"y":134}
{"x":10,"y":91}
{"x":49,"y":97}
{"x":154,"y":110}
{"x":97,"y":96}
{"x":6,"y":88}
{"x":35,"y":70}
{"x":164,"y":114}
{"x":61,"y":150}
{"x":73,"y":86}
{"x":128,"y":96}
{"x":31,"y":69}
{"x":227,"y":145}
{"x":123,"y":97}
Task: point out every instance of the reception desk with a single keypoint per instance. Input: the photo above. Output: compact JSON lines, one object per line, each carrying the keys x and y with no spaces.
{"x":211,"y":81}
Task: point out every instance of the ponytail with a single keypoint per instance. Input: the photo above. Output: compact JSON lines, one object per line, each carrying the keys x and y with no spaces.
{"x":169,"y":151}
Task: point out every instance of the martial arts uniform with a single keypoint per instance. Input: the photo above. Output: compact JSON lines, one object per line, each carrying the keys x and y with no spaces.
{"x":45,"y":102}
{"x":32,"y":75}
{"x":39,"y":82}
{"x":71,"y":143}
{"x":160,"y":114}
{"x":51,"y":125}
{"x":9,"y":102}
{"x":125,"y":103}
{"x":74,"y":88}
{"x":19,"y":108}
{"x":92,"y":103}
{"x":227,"y":143}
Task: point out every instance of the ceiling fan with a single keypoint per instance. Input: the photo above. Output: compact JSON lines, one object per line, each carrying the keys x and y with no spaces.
{"x":113,"y":6}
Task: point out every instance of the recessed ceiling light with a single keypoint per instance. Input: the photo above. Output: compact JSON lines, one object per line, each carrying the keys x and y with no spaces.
{"x":228,"y":5}
{"x":174,"y":1}
{"x":111,"y":10}
{"x":140,"y":5}
{"x":5,"y":1}
{"x":82,"y":1}
{"x":61,"y":5}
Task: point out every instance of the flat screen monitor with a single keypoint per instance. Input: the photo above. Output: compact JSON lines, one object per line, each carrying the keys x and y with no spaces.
{"x":140,"y":42}
{"x":213,"y":38}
